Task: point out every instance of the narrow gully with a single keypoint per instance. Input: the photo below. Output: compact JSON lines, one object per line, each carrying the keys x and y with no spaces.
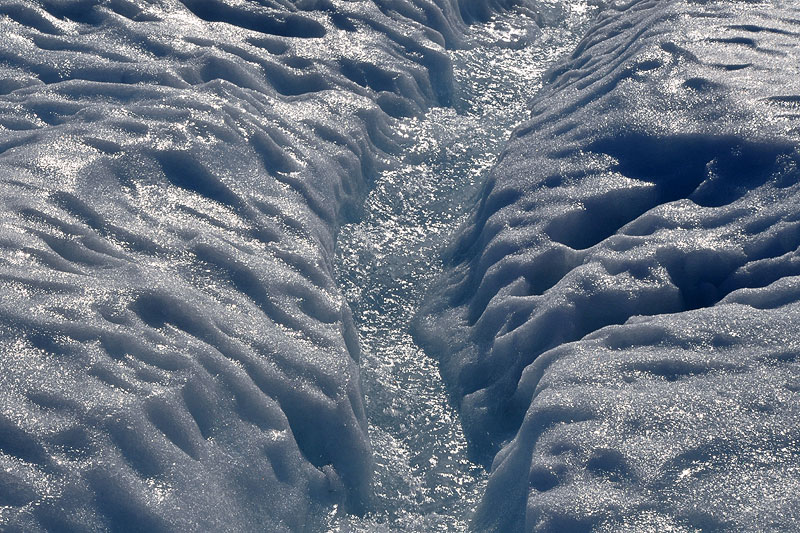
{"x":424,"y":480}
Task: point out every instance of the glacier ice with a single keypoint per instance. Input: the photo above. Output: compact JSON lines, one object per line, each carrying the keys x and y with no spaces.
{"x":175,"y":354}
{"x":617,"y":319}
{"x":424,"y":479}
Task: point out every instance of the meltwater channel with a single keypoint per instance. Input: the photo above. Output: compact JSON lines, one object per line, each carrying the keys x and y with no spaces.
{"x":424,"y":479}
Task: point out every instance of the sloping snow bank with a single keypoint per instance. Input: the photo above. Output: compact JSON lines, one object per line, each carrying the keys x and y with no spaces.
{"x":623,"y":303}
{"x":174,"y":353}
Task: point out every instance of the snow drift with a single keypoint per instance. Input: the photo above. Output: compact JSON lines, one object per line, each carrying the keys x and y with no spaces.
{"x":175,"y":353}
{"x":618,"y":318}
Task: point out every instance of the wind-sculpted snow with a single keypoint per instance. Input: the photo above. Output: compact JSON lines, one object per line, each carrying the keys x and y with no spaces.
{"x":618,"y":321}
{"x":175,"y":353}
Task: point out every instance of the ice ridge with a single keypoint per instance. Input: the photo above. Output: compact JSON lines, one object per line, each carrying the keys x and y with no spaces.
{"x":617,"y":320}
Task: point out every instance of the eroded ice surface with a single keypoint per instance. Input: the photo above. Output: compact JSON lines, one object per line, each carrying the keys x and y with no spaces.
{"x":425,"y":480}
{"x":175,"y":354}
{"x":618,"y":316}
{"x":616,"y":319}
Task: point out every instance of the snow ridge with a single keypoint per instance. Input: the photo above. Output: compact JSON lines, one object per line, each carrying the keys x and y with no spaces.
{"x":175,"y":353}
{"x":616,"y":321}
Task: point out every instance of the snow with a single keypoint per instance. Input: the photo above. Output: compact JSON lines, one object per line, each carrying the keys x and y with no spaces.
{"x":176,"y":354}
{"x":218,"y":218}
{"x":616,"y":317}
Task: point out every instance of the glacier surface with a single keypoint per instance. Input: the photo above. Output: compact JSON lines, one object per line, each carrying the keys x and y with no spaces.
{"x":220,"y":216}
{"x":175,"y":352}
{"x":617,"y":319}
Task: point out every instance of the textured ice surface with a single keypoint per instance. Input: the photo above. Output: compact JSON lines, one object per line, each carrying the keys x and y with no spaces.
{"x":174,"y":352}
{"x":424,"y":478}
{"x":618,"y":318}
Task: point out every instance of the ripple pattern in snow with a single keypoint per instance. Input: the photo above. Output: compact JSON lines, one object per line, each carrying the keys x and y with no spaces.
{"x":174,"y":353}
{"x":618,"y":318}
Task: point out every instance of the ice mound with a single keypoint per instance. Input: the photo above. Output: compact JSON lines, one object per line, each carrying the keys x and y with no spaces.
{"x":174,"y":352}
{"x":618,"y":318}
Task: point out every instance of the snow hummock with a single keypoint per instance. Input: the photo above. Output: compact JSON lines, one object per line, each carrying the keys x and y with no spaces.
{"x":174,"y":351}
{"x":616,"y":319}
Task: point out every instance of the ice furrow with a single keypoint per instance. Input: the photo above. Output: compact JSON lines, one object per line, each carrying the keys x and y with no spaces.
{"x":425,"y":479}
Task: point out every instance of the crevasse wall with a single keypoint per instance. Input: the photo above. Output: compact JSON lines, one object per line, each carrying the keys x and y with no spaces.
{"x":617,"y":318}
{"x":174,"y":354}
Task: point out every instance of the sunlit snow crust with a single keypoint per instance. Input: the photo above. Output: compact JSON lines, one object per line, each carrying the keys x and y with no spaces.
{"x":618,"y":322}
{"x":174,"y":354}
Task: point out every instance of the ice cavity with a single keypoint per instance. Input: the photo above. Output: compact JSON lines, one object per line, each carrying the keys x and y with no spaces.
{"x":175,"y":353}
{"x":617,"y":318}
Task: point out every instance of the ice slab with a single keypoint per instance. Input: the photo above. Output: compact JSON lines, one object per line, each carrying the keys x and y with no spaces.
{"x":616,"y":321}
